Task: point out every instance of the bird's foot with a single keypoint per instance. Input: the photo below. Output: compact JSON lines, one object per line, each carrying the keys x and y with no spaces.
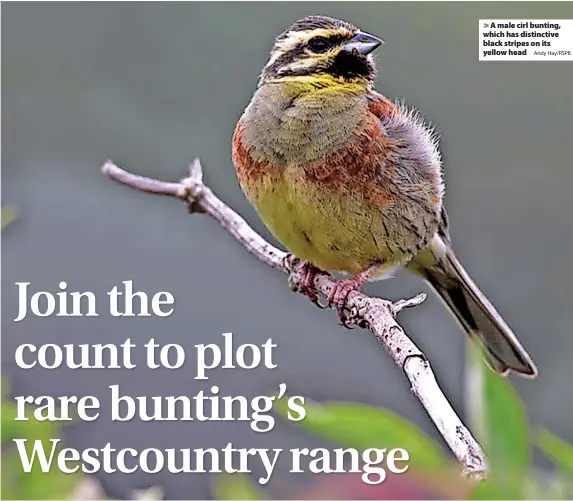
{"x":301,"y":279}
{"x":339,"y":294}
{"x":309,"y":271}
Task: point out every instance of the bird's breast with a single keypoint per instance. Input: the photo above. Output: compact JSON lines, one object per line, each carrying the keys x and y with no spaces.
{"x":286,"y":127}
{"x":330,"y":211}
{"x":365,"y":197}
{"x":332,"y":230}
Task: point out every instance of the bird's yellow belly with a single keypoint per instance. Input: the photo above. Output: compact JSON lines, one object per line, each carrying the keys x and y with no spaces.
{"x":335,"y":233}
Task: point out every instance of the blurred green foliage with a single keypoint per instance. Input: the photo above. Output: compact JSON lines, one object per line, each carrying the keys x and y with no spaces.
{"x":362,"y":427}
{"x":16,"y":483}
{"x":559,"y":451}
{"x":506,"y":438}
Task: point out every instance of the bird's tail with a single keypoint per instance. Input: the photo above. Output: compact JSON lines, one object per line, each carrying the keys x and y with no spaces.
{"x":476,"y":314}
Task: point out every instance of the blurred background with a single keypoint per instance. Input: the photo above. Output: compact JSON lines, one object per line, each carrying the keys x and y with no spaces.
{"x":152,"y":86}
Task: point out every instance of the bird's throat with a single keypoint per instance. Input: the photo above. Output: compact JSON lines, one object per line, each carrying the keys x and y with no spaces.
{"x":298,"y":121}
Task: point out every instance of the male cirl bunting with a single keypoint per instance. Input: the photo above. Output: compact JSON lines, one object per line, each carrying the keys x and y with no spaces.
{"x":351,"y":181}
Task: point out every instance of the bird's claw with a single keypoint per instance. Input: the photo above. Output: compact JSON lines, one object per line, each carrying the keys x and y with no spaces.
{"x":303,"y":281}
{"x":339,"y":296}
{"x":307,"y":287}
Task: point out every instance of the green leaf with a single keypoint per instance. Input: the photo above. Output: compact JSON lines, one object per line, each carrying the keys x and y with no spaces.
{"x":486,"y":491}
{"x":556,"y":449}
{"x":236,"y":486}
{"x":506,"y":441}
{"x":362,"y":427}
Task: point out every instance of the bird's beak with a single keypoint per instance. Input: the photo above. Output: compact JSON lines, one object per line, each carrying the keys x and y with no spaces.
{"x":363,"y":43}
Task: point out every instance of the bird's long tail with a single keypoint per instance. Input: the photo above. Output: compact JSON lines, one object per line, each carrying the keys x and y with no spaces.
{"x":476,"y":314}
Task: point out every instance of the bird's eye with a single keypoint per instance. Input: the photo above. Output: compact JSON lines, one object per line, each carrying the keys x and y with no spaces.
{"x":319,"y":44}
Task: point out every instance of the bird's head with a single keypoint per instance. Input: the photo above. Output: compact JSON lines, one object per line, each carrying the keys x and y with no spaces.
{"x":321,"y":52}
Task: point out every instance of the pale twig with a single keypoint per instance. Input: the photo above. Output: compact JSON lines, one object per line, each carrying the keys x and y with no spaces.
{"x":377,"y":315}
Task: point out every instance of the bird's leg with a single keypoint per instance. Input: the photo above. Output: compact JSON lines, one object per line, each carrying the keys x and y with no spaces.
{"x":301,"y":277}
{"x":307,"y":288}
{"x":340,"y":292}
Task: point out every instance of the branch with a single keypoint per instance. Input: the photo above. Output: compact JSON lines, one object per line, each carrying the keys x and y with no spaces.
{"x":377,"y":315}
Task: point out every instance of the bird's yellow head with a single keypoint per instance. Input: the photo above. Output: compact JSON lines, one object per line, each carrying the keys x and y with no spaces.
{"x":321,"y":52}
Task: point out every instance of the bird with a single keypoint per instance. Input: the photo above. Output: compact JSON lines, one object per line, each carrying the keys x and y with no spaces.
{"x":351,"y":181}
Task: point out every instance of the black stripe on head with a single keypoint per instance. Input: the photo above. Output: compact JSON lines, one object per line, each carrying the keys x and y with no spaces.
{"x":317,"y":22}
{"x":343,"y":65}
{"x":285,"y":59}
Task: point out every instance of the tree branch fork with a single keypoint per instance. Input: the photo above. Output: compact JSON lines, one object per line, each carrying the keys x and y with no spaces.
{"x":374,"y":314}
